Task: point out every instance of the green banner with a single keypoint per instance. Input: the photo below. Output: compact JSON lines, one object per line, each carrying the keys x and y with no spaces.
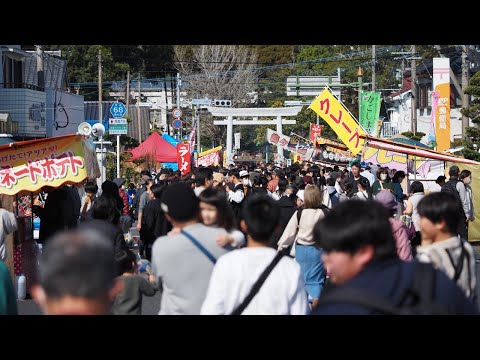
{"x":370,"y":111}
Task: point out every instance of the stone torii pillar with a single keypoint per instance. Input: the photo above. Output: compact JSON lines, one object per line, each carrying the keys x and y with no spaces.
{"x":229,"y":113}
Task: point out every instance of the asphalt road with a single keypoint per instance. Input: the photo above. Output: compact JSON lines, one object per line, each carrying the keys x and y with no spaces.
{"x":150,"y":305}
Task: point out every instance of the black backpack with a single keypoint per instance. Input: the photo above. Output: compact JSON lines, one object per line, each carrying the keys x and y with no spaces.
{"x":451,"y":187}
{"x":416,"y":300}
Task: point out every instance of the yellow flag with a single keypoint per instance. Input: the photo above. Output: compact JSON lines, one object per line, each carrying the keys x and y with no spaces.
{"x":337,"y":116}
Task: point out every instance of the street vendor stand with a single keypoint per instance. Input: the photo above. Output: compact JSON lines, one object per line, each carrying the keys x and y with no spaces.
{"x":25,"y":168}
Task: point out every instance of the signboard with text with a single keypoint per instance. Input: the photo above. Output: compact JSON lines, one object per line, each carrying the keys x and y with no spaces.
{"x":183,"y":157}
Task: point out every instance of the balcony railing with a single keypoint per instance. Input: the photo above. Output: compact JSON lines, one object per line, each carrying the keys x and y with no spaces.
{"x":388,"y":130}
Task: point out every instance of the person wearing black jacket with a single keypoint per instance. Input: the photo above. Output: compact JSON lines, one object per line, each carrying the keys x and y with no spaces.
{"x":154,"y":223}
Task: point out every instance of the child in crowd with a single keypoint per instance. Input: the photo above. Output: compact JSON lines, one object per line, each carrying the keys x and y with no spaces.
{"x":129,"y":301}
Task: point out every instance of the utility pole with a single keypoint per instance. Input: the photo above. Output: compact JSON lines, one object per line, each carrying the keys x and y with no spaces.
{"x":178,"y":102}
{"x":374,"y":61}
{"x":465,"y":97}
{"x":138,"y":113}
{"x":100,"y":115}
{"x":413,"y":73}
{"x":360,"y":76}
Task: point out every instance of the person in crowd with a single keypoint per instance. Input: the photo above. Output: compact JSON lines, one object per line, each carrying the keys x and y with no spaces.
{"x":273,"y":183}
{"x":286,"y":202}
{"x":404,"y":250}
{"x":299,"y":233}
{"x":154,"y":223}
{"x":368,"y":174}
{"x":91,"y":189}
{"x":235,"y":194}
{"x":8,"y":300}
{"x":364,"y":190}
{"x":125,"y":218}
{"x":8,"y":224}
{"x":259,"y":185}
{"x":457,"y":187}
{"x":440,"y":182}
{"x":245,"y":179}
{"x":131,"y":192}
{"x":383,"y":182}
{"x":216,"y":211}
{"x":105,"y":217}
{"x":466,"y":178}
{"x":218,"y":180}
{"x":203,"y":179}
{"x":144,"y":199}
{"x":416,"y":194}
{"x":354,"y":178}
{"x":145,"y":175}
{"x":77,"y":274}
{"x":57,"y":214}
{"x":369,"y":265}
{"x":235,"y":273}
{"x":330,"y":194}
{"x":183,"y":262}
{"x":440,"y":213}
{"x":135,"y":286}
{"x":398,"y":191}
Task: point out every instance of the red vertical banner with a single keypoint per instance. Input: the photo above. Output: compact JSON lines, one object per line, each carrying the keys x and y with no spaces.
{"x":183,"y":157}
{"x":315,"y":131}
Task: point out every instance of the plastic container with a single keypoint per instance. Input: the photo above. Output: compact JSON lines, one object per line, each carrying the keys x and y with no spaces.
{"x":21,"y":287}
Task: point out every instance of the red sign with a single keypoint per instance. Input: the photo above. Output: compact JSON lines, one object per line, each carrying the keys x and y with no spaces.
{"x":183,"y":157}
{"x":315,"y":131}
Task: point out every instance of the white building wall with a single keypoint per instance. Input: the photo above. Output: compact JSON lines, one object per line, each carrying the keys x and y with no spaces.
{"x":28,"y":108}
{"x":65,"y":111}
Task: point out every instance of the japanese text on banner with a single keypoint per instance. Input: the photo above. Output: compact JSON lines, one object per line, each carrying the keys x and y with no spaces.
{"x":340,"y":120}
{"x":183,"y":157}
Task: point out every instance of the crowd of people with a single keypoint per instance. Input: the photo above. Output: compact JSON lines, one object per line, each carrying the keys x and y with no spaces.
{"x":305,"y":239}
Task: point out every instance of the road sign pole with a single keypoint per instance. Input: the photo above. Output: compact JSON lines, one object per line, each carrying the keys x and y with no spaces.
{"x":118,"y":156}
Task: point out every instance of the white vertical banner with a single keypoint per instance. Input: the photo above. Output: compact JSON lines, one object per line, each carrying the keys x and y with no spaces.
{"x":237,"y":140}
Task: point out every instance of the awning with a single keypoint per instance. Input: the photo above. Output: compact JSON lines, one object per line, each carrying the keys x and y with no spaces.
{"x":412,"y":150}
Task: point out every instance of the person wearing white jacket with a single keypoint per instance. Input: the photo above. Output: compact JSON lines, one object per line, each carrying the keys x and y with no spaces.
{"x":8,"y":224}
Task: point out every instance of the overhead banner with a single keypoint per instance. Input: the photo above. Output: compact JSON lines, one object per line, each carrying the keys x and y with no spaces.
{"x":370,"y":111}
{"x":337,"y":116}
{"x":278,"y":139}
{"x":183,"y":157}
{"x":210,"y":157}
{"x":441,"y":84}
{"x":50,"y":162}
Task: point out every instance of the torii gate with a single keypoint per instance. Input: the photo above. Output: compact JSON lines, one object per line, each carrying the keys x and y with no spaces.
{"x":230,"y":113}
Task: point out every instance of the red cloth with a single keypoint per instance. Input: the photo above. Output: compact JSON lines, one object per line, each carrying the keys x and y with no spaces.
{"x":157,"y":148}
{"x":124,"y":197}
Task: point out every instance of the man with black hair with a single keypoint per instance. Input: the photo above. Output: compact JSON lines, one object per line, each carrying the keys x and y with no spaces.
{"x":203,"y":179}
{"x":77,"y":275}
{"x":440,"y":213}
{"x":183,"y":262}
{"x":145,"y":175}
{"x":354,"y":177}
{"x":360,"y":254}
{"x":235,"y":193}
{"x":235,"y":273}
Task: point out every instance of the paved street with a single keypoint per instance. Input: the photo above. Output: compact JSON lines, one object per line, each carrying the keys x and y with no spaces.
{"x":151,"y":304}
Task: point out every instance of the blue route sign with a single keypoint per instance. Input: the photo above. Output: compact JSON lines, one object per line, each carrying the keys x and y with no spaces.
{"x":118,"y":110}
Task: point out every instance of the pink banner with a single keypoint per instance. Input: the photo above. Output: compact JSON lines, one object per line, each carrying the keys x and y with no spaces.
{"x":209,"y":159}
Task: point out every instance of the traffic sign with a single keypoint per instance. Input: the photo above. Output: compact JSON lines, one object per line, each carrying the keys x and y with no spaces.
{"x":177,"y":124}
{"x":118,"y":110}
{"x":177,"y":113}
{"x":117,"y":121}
{"x":118,"y":129}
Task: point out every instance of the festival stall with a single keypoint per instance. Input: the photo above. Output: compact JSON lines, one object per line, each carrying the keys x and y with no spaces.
{"x":26,"y":167}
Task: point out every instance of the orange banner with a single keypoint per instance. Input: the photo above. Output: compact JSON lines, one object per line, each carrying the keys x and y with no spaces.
{"x":442,"y":117}
{"x":51,"y":162}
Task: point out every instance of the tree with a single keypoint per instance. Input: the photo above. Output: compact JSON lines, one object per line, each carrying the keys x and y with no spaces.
{"x":470,"y":143}
{"x":473,"y":89}
{"x":217,"y":72}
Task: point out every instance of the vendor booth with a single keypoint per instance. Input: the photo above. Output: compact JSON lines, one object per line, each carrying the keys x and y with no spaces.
{"x":28,"y":166}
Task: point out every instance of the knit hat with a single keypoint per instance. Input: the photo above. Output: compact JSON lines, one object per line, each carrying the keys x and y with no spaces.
{"x":243,"y":173}
{"x":387,"y":199}
{"x":307,"y":179}
{"x":301,"y":194}
{"x":180,"y":202}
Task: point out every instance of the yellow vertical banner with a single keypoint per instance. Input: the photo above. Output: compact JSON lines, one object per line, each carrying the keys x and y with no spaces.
{"x":337,"y":116}
{"x":441,"y":83}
